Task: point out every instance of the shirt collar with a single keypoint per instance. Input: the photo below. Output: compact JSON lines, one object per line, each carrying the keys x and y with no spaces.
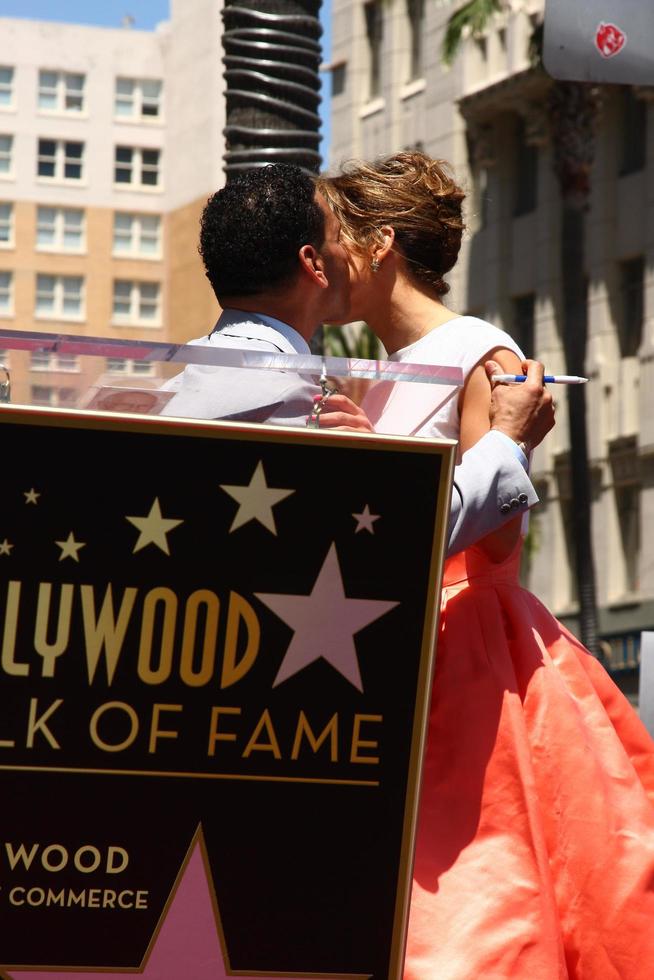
{"x":230,"y":317}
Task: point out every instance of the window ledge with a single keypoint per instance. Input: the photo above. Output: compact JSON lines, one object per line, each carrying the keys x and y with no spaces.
{"x":145,"y":324}
{"x":61,"y":182}
{"x":569,"y":609}
{"x":7,"y":176}
{"x":143,"y":121}
{"x":139,"y":188}
{"x":54,"y":250}
{"x":371,"y":108}
{"x":625,"y":601}
{"x":60,"y":317}
{"x":62,"y":114}
{"x":8,"y":108}
{"x":136,"y":257}
{"x":413,"y":88}
{"x":6,"y":315}
{"x":54,"y":370}
{"x":8,"y":246}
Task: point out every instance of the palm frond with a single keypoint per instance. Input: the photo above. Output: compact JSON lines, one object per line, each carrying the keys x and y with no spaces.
{"x":352,"y":341}
{"x":472,"y":18}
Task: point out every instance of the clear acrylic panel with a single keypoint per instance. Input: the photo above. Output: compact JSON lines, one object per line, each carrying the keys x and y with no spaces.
{"x":201,"y":381}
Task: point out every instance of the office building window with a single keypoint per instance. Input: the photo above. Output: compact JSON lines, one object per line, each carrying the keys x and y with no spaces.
{"x":6,"y":224}
{"x":481,"y":201}
{"x":627,"y":502}
{"x":138,"y":98}
{"x":60,"y":159}
{"x":136,"y":302}
{"x":630,"y":328}
{"x":60,"y":229}
{"x":45,"y":360}
{"x":526,"y":171}
{"x":6,"y":155}
{"x":416,"y":15}
{"x":125,"y":366}
{"x":633,"y":132}
{"x":6,"y":87}
{"x":6,"y":293}
{"x":54,"y":397}
{"x":136,"y":166}
{"x":522,"y":329}
{"x":61,"y":91}
{"x":339,"y":78}
{"x":374,"y":34}
{"x":569,"y":534}
{"x":137,"y":235}
{"x":60,"y":297}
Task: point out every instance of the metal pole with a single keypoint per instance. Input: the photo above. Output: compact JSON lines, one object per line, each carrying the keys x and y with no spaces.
{"x":272,"y":58}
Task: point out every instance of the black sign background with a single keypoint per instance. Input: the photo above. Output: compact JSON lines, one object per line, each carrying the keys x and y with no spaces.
{"x":311,"y":867}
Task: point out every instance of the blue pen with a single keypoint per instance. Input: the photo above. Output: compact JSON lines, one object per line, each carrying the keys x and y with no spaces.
{"x":552,"y":379}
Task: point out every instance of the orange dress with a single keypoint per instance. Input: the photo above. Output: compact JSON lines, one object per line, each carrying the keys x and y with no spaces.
{"x":535,"y":846}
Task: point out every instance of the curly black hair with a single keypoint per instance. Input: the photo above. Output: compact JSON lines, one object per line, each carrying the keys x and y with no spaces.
{"x":252,"y":229}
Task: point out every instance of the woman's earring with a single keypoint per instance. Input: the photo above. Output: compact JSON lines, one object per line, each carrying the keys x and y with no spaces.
{"x":375,"y":265}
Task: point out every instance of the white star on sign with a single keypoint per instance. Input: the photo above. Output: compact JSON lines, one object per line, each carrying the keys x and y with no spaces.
{"x":324,"y":623}
{"x":31,"y":496}
{"x":256,"y":501}
{"x":365,"y":520}
{"x":5,"y":547}
{"x":153,"y":528}
{"x":70,"y":547}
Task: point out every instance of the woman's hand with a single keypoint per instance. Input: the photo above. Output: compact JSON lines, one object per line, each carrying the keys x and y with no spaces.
{"x":340,"y":413}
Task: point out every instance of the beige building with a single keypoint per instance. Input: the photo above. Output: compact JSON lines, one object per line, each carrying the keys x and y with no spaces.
{"x":485,"y":115}
{"x":110,"y":143}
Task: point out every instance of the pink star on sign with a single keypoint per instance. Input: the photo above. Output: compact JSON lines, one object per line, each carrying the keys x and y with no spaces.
{"x":324,"y":623}
{"x":187,"y":946}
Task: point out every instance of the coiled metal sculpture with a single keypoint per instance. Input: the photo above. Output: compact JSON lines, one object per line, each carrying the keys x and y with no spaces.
{"x":272,"y":57}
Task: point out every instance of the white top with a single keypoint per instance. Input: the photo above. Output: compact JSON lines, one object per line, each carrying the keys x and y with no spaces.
{"x":431,"y":410}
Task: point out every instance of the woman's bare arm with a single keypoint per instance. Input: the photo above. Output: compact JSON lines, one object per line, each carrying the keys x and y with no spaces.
{"x":474,"y":408}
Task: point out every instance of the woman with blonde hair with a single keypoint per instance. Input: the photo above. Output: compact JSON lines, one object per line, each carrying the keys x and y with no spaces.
{"x":535,"y":844}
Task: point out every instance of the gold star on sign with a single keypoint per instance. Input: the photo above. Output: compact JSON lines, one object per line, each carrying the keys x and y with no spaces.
{"x":153,"y":528}
{"x":31,"y":496}
{"x":5,"y":547}
{"x":256,"y":501}
{"x":70,"y":547}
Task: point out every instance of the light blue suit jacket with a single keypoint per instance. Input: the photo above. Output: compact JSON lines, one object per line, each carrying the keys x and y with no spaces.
{"x":490,"y":484}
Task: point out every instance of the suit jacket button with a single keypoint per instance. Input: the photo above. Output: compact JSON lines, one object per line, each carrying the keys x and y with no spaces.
{"x":523,"y":498}
{"x":505,"y":508}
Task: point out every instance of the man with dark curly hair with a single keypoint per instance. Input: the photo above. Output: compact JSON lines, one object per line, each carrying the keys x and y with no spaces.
{"x":272,"y":253}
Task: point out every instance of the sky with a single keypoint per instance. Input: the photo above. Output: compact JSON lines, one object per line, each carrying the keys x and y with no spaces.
{"x":147,"y":14}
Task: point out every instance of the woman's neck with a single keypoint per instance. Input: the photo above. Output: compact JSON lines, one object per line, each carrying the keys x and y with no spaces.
{"x":407,"y":315}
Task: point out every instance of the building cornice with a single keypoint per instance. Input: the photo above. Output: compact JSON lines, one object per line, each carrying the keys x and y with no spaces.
{"x":515,"y":93}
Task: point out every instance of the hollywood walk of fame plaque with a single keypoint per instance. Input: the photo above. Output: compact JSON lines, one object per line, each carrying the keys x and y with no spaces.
{"x":216,"y":651}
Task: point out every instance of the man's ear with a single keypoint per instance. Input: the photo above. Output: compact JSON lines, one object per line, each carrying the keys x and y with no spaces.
{"x":312,"y":265}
